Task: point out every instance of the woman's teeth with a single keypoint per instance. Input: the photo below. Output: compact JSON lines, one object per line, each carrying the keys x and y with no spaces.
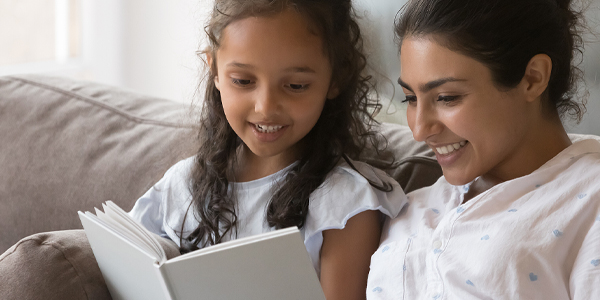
{"x":267,"y":128}
{"x":450,"y":148}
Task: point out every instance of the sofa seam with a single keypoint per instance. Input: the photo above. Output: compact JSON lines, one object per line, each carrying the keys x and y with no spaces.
{"x":55,"y":246}
{"x":91,"y":101}
{"x":46,"y":243}
{"x":417,"y":158}
{"x":413,"y":159}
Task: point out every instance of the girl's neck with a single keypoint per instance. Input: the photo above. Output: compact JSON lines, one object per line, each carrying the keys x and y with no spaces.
{"x":251,"y":167}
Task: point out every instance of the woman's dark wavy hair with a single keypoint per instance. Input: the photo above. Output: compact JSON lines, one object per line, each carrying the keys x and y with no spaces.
{"x":342,"y":129}
{"x":504,"y":35}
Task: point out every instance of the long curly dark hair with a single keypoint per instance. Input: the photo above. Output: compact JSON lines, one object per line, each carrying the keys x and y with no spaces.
{"x":343,"y":129}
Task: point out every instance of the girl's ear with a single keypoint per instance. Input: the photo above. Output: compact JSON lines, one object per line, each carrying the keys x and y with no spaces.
{"x":209,"y":61}
{"x":537,"y":75}
{"x":333,"y":91}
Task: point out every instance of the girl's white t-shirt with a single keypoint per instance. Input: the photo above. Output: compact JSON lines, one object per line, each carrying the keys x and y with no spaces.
{"x":344,"y":193}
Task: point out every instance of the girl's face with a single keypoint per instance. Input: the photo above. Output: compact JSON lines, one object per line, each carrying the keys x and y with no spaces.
{"x":473,"y":127}
{"x":274,"y":79}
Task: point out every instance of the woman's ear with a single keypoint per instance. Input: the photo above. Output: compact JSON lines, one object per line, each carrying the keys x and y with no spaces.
{"x":537,"y":75}
{"x":333,"y":91}
{"x":209,"y":61}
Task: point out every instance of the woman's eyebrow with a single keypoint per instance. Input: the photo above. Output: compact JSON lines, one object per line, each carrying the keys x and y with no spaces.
{"x":430,"y":85}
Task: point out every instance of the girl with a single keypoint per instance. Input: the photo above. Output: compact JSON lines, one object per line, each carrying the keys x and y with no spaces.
{"x":517,"y":213}
{"x":285,"y":111}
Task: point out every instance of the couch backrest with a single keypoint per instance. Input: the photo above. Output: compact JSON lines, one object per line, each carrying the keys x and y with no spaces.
{"x":68,"y":145}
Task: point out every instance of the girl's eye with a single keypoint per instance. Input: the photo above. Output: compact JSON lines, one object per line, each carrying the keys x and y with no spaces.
{"x":409,"y":99}
{"x":298,"y":87}
{"x":241,"y":82}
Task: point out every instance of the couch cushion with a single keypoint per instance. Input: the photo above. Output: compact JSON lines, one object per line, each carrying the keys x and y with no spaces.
{"x":413,"y":164}
{"x":56,"y":266}
{"x":70,"y":145}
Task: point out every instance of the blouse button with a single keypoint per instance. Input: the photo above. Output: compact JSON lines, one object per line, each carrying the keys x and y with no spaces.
{"x":437,"y":245}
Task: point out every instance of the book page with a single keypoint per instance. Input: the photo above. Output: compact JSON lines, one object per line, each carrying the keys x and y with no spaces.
{"x":119,"y":215}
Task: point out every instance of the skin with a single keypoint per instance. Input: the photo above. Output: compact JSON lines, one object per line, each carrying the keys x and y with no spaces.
{"x":273,"y":71}
{"x":452,"y":100}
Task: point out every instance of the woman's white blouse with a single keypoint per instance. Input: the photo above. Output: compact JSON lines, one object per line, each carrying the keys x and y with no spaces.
{"x":344,"y":193}
{"x":534,"y":237}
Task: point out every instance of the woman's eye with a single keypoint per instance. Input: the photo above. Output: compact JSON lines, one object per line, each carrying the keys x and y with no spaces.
{"x":410,"y":99}
{"x":448,"y":99}
{"x":241,"y":82}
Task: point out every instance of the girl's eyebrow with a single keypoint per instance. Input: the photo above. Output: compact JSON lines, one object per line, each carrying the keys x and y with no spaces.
{"x":300,"y":70}
{"x":430,"y":85}
{"x":236,"y":64}
{"x":303,"y":69}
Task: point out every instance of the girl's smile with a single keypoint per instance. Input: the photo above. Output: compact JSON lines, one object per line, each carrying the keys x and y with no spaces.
{"x":274,"y":78}
{"x":268,"y":133}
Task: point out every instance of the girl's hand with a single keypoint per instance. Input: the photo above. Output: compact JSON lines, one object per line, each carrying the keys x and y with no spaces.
{"x":346,"y":256}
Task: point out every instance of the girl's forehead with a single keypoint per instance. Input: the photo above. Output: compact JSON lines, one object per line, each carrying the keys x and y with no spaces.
{"x":287,"y":27}
{"x":272,"y":42}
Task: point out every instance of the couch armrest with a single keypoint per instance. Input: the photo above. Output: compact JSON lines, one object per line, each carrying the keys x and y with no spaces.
{"x":57,"y":265}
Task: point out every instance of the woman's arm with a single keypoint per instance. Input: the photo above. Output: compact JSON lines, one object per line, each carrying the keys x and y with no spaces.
{"x":346,"y":255}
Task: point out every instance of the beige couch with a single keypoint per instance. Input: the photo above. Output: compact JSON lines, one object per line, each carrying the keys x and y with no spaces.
{"x":67,"y":145}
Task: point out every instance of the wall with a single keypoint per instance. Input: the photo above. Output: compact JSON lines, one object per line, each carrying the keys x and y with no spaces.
{"x":149,"y":46}
{"x":377,"y":25}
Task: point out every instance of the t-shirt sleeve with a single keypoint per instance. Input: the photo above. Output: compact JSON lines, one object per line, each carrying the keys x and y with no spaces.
{"x":150,"y":209}
{"x":345,"y":193}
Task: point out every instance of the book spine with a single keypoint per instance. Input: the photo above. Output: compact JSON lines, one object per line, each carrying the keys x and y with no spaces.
{"x":166,"y":287}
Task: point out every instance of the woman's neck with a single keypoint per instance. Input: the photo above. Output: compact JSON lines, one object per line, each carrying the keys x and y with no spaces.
{"x":540,"y":145}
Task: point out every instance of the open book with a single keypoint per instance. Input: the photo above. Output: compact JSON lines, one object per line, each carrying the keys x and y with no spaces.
{"x":273,"y":265}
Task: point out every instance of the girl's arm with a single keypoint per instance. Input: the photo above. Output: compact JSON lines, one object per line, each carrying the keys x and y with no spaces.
{"x":346,"y":256}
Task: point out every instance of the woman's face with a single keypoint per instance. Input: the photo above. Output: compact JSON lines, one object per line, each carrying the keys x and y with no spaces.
{"x":454,"y":106}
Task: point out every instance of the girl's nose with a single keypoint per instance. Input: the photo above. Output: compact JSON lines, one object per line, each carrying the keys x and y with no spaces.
{"x":423,"y":121}
{"x":266,"y":101}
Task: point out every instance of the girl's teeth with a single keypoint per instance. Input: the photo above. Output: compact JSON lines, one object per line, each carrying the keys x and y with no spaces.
{"x":267,"y":128}
{"x":450,"y":148}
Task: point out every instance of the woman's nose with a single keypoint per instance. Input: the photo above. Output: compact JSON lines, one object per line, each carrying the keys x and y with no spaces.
{"x":423,"y":121}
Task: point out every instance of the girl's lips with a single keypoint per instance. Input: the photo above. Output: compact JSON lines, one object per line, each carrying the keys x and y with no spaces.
{"x":268,"y":133}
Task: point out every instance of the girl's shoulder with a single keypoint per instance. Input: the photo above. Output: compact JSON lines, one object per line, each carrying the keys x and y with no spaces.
{"x":354,"y":187}
{"x":181,"y":169}
{"x":360,"y":173}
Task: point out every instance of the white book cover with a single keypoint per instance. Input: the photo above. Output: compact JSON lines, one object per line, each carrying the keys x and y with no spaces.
{"x":272,"y":265}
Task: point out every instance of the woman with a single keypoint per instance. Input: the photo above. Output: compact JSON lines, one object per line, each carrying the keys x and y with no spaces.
{"x":517,"y":212}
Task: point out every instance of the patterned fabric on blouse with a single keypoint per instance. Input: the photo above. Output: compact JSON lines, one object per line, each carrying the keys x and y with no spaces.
{"x":534,"y":237}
